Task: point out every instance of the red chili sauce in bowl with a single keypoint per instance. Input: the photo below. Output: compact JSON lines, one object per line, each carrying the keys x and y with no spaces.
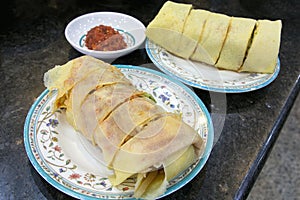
{"x":104,"y":38}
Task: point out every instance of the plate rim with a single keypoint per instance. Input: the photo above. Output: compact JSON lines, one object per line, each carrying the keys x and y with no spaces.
{"x":171,"y":189}
{"x":207,"y":88}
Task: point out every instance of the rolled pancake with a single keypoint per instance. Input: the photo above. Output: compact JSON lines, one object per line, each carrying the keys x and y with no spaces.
{"x":97,"y":78}
{"x":64,"y":77}
{"x":236,"y":43}
{"x":192,"y":31}
{"x":174,"y":165}
{"x":167,"y":27}
{"x":132,"y":113}
{"x":263,"y":53}
{"x":153,"y":145}
{"x":119,"y":126}
{"x":199,"y":52}
{"x":212,"y":38}
{"x":99,"y":104}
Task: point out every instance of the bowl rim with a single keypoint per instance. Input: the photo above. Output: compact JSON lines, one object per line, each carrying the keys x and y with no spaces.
{"x":74,"y":44}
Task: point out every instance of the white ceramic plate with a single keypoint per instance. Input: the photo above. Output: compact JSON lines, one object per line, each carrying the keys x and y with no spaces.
{"x":64,"y":159}
{"x":206,"y":77}
{"x":132,"y":30}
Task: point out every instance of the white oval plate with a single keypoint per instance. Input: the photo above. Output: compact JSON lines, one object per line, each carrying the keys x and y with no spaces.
{"x":206,"y":77}
{"x":58,"y":154}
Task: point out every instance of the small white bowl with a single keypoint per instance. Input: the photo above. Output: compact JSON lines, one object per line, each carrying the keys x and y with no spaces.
{"x":132,"y":30}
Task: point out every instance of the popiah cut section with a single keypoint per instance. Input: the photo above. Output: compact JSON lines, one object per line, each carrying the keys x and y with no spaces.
{"x":263,"y":53}
{"x":236,"y":43}
{"x":170,"y":22}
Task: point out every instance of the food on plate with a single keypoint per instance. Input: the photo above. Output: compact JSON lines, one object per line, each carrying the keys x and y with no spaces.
{"x":264,"y":48}
{"x":191,"y":33}
{"x":137,"y":137}
{"x":236,"y":43}
{"x":212,"y":37}
{"x":104,"y":38}
{"x":167,"y":27}
{"x":226,"y":42}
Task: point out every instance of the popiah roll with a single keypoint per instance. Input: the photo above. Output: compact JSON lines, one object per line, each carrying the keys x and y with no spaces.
{"x":137,"y":137}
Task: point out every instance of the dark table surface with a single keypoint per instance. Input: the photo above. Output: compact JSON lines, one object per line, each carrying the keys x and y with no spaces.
{"x":246,"y":124}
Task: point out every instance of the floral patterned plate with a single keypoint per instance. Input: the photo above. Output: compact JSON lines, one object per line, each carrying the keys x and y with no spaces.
{"x":66,"y":160}
{"x":206,"y":77}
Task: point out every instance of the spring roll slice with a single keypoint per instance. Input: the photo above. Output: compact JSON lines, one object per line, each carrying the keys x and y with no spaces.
{"x":99,"y":104}
{"x":263,"y":52}
{"x":64,"y":77}
{"x":236,"y":43}
{"x":120,"y":124}
{"x":152,"y":184}
{"x":100,"y":77}
{"x":167,"y":27}
{"x":212,"y":38}
{"x":154,"y":143}
{"x":129,"y":115}
{"x":79,"y":92}
{"x":192,"y":31}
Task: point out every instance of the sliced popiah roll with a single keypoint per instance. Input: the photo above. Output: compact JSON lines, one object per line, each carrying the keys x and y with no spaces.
{"x":192,"y":31}
{"x":263,"y":52}
{"x":167,"y":27}
{"x":154,"y":183}
{"x":129,"y":115}
{"x":194,"y":28}
{"x":212,"y":38}
{"x":63,"y":77}
{"x":119,"y":126}
{"x":152,"y":145}
{"x":236,"y":43}
{"x":97,"y":79}
{"x":137,"y":136}
{"x":98,"y":104}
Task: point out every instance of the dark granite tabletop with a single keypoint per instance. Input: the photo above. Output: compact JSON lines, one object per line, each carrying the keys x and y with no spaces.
{"x":246,"y":124}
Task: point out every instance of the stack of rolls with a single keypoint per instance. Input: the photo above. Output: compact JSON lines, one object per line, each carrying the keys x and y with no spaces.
{"x":231,"y":43}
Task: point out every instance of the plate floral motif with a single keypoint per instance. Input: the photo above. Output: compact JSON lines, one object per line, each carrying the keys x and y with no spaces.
{"x":206,"y":77}
{"x":47,"y":139}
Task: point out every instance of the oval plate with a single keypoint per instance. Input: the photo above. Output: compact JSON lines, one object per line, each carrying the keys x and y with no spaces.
{"x":207,"y":77}
{"x":57,"y":153}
